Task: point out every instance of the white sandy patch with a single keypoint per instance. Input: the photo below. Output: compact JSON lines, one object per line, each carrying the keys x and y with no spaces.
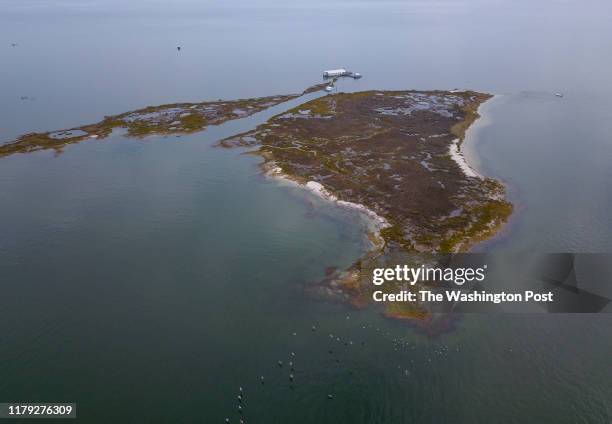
{"x":375,"y":221}
{"x":379,"y":221}
{"x":319,"y":190}
{"x":469,"y":147}
{"x":457,"y":156}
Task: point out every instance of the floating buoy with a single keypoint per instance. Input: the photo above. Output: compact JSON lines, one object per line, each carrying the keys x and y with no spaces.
{"x":179,"y":48}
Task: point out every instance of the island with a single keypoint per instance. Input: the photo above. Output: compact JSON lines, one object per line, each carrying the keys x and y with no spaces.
{"x":393,"y":155}
{"x":396,"y":156}
{"x":168,"y":119}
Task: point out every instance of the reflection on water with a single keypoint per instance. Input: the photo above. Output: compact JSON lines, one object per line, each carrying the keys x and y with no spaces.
{"x":149,"y":280}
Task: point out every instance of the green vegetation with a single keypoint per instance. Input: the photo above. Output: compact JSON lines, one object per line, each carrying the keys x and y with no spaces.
{"x":470,"y":110}
{"x":388,"y":150}
{"x":395,"y":234}
{"x":193,"y":123}
{"x":175,"y":118}
{"x":485,"y":220}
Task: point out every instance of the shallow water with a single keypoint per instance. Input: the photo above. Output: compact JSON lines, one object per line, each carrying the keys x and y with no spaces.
{"x":148,"y":280}
{"x":555,"y":159}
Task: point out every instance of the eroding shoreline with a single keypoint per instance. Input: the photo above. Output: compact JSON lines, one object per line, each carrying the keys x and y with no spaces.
{"x":457,"y":155}
{"x":394,"y":155}
{"x":374,"y":222}
{"x":397,"y":154}
{"x":456,"y":148}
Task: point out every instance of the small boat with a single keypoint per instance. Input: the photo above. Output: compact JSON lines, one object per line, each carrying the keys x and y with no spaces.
{"x":329,"y":88}
{"x":559,"y":94}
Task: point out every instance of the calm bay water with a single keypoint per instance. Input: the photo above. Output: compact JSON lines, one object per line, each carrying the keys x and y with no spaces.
{"x":148,"y":280}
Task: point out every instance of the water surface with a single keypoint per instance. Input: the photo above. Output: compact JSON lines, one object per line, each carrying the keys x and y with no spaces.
{"x":148,"y":280}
